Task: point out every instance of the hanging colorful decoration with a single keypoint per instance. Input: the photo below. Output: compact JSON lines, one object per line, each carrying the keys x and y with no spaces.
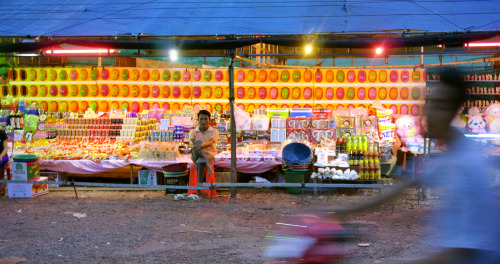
{"x":75,"y":89}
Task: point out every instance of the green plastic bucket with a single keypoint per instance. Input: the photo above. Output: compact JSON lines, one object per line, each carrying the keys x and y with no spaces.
{"x":25,"y":158}
{"x":294,"y":177}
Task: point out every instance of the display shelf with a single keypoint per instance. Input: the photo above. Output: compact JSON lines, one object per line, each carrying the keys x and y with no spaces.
{"x":493,"y":94}
{"x":493,"y":81}
{"x":360,"y":181}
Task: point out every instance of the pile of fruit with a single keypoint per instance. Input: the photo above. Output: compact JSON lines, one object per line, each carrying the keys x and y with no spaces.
{"x":95,"y":150}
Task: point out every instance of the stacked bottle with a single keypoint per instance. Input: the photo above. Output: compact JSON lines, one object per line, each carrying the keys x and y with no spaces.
{"x":355,"y":149}
{"x":369,"y":167}
{"x":340,"y":145}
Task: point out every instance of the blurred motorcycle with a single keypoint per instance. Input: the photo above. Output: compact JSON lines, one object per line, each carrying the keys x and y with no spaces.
{"x":314,"y":238}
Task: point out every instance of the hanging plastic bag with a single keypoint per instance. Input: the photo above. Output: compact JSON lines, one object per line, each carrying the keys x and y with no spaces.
{"x":241,"y":118}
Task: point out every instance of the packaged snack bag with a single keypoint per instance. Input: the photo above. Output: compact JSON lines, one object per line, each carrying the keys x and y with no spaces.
{"x":387,"y":131}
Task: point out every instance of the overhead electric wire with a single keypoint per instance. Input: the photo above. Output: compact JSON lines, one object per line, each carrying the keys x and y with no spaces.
{"x":440,"y":15}
{"x":77,"y":24}
{"x":28,"y":12}
{"x":341,"y":2}
{"x":253,"y":17}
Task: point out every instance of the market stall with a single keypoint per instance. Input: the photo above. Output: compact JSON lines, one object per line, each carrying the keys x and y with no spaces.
{"x":88,"y":120}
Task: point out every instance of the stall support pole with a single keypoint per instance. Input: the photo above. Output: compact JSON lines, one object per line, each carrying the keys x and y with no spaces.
{"x":131,"y":174}
{"x":231,"y":54}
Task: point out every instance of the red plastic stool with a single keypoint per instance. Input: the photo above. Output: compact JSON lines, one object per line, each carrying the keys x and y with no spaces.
{"x":193,"y":181}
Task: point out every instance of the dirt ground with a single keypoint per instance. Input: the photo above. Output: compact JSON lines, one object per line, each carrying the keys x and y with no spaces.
{"x":149,"y":227}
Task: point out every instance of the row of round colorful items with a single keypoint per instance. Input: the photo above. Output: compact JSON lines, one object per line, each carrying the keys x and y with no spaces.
{"x":218,"y":92}
{"x":219,"y":75}
{"x":104,"y":106}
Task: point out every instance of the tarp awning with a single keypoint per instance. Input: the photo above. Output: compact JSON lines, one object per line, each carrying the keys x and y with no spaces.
{"x":244,"y":17}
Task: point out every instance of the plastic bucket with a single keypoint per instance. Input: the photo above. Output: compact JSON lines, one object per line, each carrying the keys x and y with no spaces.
{"x":296,"y":152}
{"x":175,"y":178}
{"x":294,"y":177}
{"x":25,"y":158}
{"x":25,"y":167}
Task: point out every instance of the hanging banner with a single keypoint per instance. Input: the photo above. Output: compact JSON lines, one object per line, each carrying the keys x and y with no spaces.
{"x":136,"y":89}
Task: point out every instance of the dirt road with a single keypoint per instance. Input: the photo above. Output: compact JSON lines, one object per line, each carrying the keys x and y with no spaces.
{"x":149,"y":227}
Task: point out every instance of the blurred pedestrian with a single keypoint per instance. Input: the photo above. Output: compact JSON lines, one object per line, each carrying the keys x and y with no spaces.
{"x":4,"y":158}
{"x":469,"y":225}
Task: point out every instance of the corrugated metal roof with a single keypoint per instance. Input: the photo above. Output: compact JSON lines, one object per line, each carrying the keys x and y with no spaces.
{"x":242,"y":17}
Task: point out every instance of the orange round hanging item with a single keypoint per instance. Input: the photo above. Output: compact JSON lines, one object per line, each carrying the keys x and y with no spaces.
{"x":329,"y":76}
{"x":262,"y":75}
{"x":145,"y":75}
{"x":307,"y":76}
{"x":165,"y":91}
{"x":393,"y":93}
{"x":145,"y":91}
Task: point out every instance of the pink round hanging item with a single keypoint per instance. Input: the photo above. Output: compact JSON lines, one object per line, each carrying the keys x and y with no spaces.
{"x":372,"y":93}
{"x":340,"y":93}
{"x":404,"y":109}
{"x":394,"y":76}
{"x":415,"y":110}
{"x":307,"y":93}
{"x":273,"y":93}
{"x":362,"y":76}
{"x":240,"y":76}
{"x":361,"y":93}
{"x":351,"y":76}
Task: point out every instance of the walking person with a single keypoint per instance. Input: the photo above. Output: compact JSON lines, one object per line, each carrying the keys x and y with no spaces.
{"x":4,"y":159}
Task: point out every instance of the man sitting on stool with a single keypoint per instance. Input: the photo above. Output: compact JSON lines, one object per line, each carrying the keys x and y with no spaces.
{"x":203,"y":144}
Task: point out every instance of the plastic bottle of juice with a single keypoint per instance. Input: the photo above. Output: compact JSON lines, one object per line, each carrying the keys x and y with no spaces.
{"x":361,"y":169}
{"x":354,"y":143}
{"x":342,"y":145}
{"x":378,"y":175}
{"x":337,"y":145}
{"x":364,"y":142}
{"x":348,"y":146}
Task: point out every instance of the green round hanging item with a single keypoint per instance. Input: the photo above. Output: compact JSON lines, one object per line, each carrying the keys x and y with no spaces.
{"x":93,"y":75}
{"x":350,"y":93}
{"x":207,"y":76}
{"x":218,"y":108}
{"x":284,"y":93}
{"x":166,"y":75}
{"x":125,"y":75}
{"x":340,"y":76}
{"x":125,"y":106}
{"x":296,"y":76}
{"x":3,"y":70}
{"x":415,"y":93}
{"x":285,"y":76}
{"x":30,"y":123}
{"x":63,"y":75}
{"x":93,"y":105}
{"x":176,"y":76}
{"x":83,"y":90}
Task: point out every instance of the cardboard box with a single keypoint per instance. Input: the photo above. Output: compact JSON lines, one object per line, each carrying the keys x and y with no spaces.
{"x":147,"y":177}
{"x":27,"y":190}
{"x":301,"y":112}
{"x":278,"y":112}
{"x":222,"y":177}
{"x":322,"y":113}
